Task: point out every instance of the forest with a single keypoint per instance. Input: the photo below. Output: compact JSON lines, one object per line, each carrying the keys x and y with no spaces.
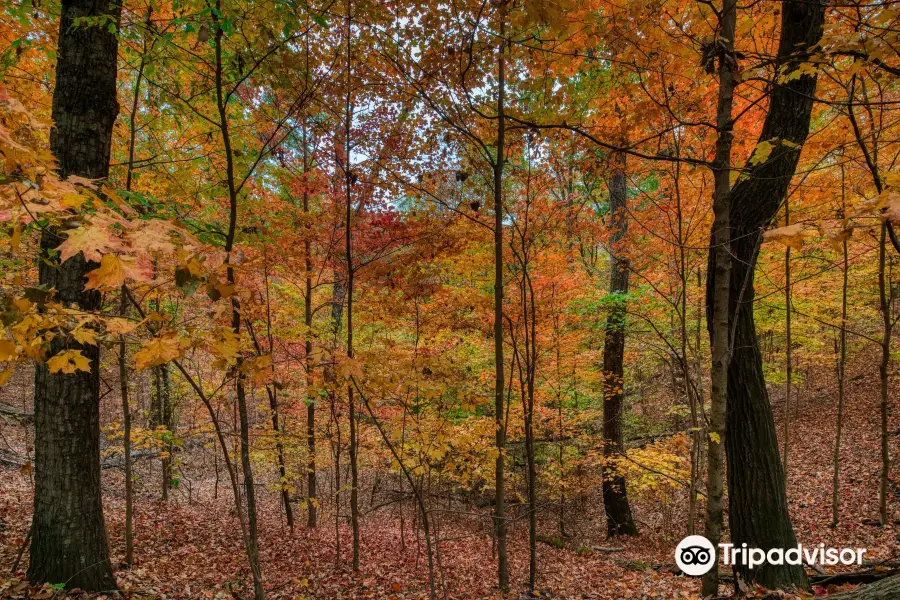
{"x":462,"y":299}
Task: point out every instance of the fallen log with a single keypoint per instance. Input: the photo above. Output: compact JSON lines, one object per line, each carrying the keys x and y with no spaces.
{"x":16,"y":413}
{"x":858,"y":577}
{"x":885,"y":589}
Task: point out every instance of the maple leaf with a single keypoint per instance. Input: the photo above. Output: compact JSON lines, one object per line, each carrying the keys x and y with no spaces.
{"x":120,"y":326}
{"x":7,"y":350}
{"x":93,"y":239}
{"x":153,"y":236}
{"x":85,"y":336}
{"x":789,"y":235}
{"x":761,"y":153}
{"x":78,"y":180}
{"x":159,"y":351}
{"x":109,"y":275}
{"x":68,"y":362}
{"x":225,"y":344}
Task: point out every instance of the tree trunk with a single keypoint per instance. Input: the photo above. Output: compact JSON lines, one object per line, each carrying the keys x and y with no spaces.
{"x":841,"y":362}
{"x":312,"y":494}
{"x":789,"y":356}
{"x":69,"y":542}
{"x":160,"y":416}
{"x":252,"y":540}
{"x":721,"y":270}
{"x":615,"y":497}
{"x":758,"y":514}
{"x":885,"y":301}
{"x":499,"y":376}
{"x":126,"y":439}
{"x":348,"y":239}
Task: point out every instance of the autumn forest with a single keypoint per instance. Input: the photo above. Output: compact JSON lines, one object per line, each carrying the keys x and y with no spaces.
{"x":395,"y":299}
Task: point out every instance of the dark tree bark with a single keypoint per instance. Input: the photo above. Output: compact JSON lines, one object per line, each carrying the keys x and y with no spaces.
{"x":720,"y":292}
{"x":615,"y":497}
{"x":68,"y":543}
{"x":500,"y":525}
{"x":758,"y":513}
{"x":161,"y":416}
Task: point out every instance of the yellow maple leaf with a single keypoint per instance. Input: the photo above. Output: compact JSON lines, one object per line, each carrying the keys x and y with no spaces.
{"x":7,"y":350}
{"x":85,"y":336}
{"x":226,"y":344}
{"x":68,"y":362}
{"x":120,"y":326}
{"x":109,"y":275}
{"x":789,"y":235}
{"x":761,"y":153}
{"x":159,"y":351}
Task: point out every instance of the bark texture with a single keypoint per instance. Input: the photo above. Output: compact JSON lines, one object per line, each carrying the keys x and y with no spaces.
{"x":758,"y":513}
{"x":68,"y":543}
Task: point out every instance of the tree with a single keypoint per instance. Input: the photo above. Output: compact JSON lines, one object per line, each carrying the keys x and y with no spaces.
{"x":615,"y":496}
{"x":68,"y":542}
{"x":758,"y":514}
{"x":721,"y":270}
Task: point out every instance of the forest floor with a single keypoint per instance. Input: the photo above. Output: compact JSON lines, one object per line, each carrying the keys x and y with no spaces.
{"x":192,"y":550}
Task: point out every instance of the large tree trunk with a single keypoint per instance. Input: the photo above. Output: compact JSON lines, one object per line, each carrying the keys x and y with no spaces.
{"x":758,"y":514}
{"x":615,"y":497}
{"x":68,"y":543}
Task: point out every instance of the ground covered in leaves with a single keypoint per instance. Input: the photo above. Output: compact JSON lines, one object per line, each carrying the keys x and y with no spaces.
{"x":192,"y":550}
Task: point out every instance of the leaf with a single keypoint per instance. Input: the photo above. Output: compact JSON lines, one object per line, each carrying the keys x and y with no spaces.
{"x":85,"y":336}
{"x":761,"y":153}
{"x":39,"y":294}
{"x":7,"y":350}
{"x":789,"y":235}
{"x":186,"y":281}
{"x":68,"y":362}
{"x":226,"y":344}
{"x":109,"y":275}
{"x":159,"y":351}
{"x":93,"y":240}
{"x":16,"y":238}
{"x":891,"y":201}
{"x":5,"y":375}
{"x":120,"y":326}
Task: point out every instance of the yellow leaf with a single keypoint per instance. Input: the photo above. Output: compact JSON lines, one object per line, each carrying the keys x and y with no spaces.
{"x":85,"y":336}
{"x":5,"y":374}
{"x":120,"y":326}
{"x":790,"y":235}
{"x":7,"y":350}
{"x":761,"y":153}
{"x":71,"y":200}
{"x":68,"y":362}
{"x":16,"y":238}
{"x":714,"y":438}
{"x":159,"y":351}
{"x":109,"y":275}
{"x":226,"y":344}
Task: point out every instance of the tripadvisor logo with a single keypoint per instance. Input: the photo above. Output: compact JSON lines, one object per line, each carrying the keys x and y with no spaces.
{"x":695,"y":555}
